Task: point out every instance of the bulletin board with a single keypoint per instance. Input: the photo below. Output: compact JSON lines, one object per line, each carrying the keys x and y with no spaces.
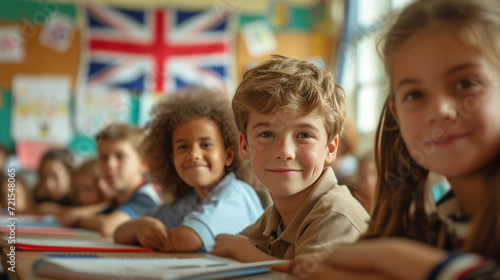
{"x":38,"y":58}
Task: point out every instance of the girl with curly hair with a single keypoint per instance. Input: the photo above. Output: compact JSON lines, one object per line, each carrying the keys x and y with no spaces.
{"x":191,"y":151}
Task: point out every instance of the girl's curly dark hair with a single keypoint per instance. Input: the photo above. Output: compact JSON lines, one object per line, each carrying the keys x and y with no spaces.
{"x":175,"y":109}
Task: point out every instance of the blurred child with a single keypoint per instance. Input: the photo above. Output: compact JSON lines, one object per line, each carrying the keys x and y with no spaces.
{"x":123,"y":168}
{"x":54,"y":181}
{"x":13,"y":192}
{"x":364,"y":191}
{"x":289,"y":114}
{"x":90,"y":193}
{"x":192,"y":152}
{"x":346,"y":164}
{"x":88,"y":187}
{"x":441,"y":115}
{"x":4,"y":154}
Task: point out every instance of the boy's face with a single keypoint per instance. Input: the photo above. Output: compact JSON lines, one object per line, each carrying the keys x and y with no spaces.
{"x":120,"y":164}
{"x":287,"y":152}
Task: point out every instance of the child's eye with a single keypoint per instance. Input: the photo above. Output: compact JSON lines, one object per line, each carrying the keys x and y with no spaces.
{"x":465,"y":84}
{"x":413,"y":95}
{"x":120,"y":156}
{"x":206,"y":145}
{"x":266,"y":134}
{"x":305,"y":135}
{"x":180,"y":147}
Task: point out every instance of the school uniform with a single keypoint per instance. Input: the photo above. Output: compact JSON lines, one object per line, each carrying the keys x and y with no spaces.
{"x":145,"y":198}
{"x":230,"y":207}
{"x":329,"y":216}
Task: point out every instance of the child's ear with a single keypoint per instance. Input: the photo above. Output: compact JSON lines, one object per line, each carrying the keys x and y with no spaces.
{"x":230,"y":153}
{"x":392,"y":109}
{"x":331,"y":150}
{"x":243,"y":147}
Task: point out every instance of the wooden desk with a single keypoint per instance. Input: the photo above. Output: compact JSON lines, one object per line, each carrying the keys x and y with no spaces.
{"x":25,"y":259}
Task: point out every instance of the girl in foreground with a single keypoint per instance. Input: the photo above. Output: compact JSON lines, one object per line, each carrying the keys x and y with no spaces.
{"x":441,"y":115}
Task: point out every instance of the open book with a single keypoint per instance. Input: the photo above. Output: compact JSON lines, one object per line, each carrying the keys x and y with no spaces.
{"x":45,"y":244}
{"x":147,"y":269}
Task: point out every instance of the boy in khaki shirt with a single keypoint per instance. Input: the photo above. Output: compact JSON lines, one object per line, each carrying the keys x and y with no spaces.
{"x":289,"y":114}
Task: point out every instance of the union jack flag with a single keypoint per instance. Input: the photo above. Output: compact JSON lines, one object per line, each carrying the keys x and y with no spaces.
{"x":157,"y":50}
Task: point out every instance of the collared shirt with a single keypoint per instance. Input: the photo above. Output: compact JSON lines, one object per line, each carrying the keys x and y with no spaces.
{"x":329,"y":216}
{"x":230,"y":207}
{"x":145,"y":198}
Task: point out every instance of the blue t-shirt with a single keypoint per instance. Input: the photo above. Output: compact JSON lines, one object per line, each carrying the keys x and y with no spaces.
{"x":146,"y":198}
{"x":229,"y":208}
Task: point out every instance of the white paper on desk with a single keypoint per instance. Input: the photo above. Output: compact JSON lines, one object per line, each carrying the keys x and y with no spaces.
{"x":148,"y":269}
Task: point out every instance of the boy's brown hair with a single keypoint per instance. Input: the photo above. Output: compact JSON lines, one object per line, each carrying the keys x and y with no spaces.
{"x":293,"y":85}
{"x":122,"y":131}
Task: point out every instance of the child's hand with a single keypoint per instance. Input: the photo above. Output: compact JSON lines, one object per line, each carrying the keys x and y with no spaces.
{"x":385,"y":258}
{"x":48,"y":208}
{"x":68,"y":220}
{"x":227,"y":245}
{"x":152,"y":233}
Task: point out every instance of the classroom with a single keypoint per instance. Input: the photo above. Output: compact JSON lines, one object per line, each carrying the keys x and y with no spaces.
{"x":264,"y":139}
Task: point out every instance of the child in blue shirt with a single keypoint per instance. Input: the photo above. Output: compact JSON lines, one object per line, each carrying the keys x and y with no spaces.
{"x":122,"y":166}
{"x":191,"y":150}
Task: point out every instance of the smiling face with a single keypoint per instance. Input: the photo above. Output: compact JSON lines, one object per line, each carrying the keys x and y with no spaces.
{"x":199,"y":154}
{"x":446,"y":102}
{"x":287,"y":152}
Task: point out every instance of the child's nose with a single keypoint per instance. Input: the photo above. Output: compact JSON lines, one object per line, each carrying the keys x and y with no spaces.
{"x":285,"y":150}
{"x":195,"y":153}
{"x":444,"y":109}
{"x":111,"y":163}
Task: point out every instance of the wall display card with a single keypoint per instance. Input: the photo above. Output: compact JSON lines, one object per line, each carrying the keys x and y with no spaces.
{"x":99,"y":106}
{"x":29,"y":154}
{"x":148,"y":101}
{"x":41,"y":109}
{"x":11,"y":44}
{"x":57,"y":32}
{"x":259,"y":38}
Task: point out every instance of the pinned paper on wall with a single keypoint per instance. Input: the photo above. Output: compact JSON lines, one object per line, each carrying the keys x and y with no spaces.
{"x":11,"y":44}
{"x":259,"y":38}
{"x":99,"y":106}
{"x":57,"y":32}
{"x":29,"y":154}
{"x":41,"y":109}
{"x":148,"y":101}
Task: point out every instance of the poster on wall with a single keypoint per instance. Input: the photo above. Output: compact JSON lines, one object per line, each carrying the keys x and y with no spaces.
{"x":11,"y":44}
{"x":40,"y":109}
{"x":99,"y":106}
{"x":148,"y":101}
{"x":57,"y":32}
{"x":259,"y":38}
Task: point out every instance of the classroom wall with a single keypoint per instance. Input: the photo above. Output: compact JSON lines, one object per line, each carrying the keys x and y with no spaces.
{"x":303,"y":36}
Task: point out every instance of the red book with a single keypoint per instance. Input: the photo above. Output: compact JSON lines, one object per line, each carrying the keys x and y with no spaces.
{"x":41,"y":244}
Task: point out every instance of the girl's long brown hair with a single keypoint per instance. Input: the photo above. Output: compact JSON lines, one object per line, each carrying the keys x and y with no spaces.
{"x":399,"y":208}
